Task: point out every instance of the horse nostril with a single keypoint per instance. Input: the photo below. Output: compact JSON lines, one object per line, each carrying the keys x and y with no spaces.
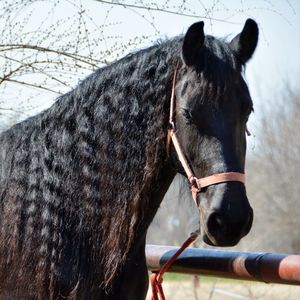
{"x":216,"y":223}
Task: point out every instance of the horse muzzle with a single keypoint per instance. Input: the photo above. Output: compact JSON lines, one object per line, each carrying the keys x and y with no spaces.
{"x":228,"y":217}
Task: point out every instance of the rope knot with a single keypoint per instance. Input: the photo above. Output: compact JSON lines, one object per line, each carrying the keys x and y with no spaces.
{"x":156,"y":278}
{"x":156,"y":286}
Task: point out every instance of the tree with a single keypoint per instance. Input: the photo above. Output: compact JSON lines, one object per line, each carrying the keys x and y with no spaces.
{"x":273,"y":175}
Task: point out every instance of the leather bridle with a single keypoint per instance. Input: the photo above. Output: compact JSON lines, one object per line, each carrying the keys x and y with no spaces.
{"x":196,"y":183}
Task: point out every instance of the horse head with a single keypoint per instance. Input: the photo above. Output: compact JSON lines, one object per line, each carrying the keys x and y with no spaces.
{"x":213,"y":104}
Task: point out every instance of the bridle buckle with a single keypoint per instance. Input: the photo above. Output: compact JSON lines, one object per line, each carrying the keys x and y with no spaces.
{"x":194,"y":184}
{"x":172,"y":125}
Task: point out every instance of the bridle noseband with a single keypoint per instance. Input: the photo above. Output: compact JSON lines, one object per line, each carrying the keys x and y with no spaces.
{"x":196,"y":183}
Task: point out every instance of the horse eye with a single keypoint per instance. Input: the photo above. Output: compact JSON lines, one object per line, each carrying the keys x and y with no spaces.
{"x":187,"y":114}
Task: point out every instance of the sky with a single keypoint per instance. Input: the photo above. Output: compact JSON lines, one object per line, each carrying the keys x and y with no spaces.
{"x":275,"y":62}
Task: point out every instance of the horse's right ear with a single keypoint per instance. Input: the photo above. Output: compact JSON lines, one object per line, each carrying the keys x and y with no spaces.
{"x":245,"y":43}
{"x":192,"y":43}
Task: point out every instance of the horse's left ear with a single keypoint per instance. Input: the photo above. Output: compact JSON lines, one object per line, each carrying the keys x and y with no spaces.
{"x":245,"y":43}
{"x":192,"y":43}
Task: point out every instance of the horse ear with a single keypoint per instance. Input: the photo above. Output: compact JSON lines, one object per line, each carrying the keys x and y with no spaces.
{"x":192,"y":43}
{"x":245,"y":43}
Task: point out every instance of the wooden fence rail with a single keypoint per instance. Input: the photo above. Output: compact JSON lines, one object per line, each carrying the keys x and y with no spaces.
{"x":264,"y":267}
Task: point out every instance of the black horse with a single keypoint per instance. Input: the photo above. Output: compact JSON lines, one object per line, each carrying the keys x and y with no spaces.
{"x":81,"y":182}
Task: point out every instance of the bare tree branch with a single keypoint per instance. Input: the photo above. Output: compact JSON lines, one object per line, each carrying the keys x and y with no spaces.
{"x":154,"y":7}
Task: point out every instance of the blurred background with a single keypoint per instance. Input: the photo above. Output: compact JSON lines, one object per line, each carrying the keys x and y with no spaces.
{"x":47,"y":47}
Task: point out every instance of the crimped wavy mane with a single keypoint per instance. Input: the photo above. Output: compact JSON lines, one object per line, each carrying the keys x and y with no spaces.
{"x":77,"y":175}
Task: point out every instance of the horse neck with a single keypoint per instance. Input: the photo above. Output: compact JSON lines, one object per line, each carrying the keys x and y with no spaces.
{"x":132,"y":150}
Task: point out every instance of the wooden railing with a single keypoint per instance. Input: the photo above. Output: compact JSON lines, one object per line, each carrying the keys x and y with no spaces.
{"x":264,"y":267}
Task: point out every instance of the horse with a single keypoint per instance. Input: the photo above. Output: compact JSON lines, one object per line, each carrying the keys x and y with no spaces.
{"x":81,"y":181}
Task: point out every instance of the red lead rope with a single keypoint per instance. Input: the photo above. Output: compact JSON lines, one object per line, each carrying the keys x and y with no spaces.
{"x":156,"y":277}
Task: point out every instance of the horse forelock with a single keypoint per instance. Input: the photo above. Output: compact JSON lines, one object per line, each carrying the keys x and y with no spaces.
{"x":217,"y":69}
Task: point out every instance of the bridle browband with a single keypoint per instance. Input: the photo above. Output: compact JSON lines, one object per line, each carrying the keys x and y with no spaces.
{"x":196,"y":183}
